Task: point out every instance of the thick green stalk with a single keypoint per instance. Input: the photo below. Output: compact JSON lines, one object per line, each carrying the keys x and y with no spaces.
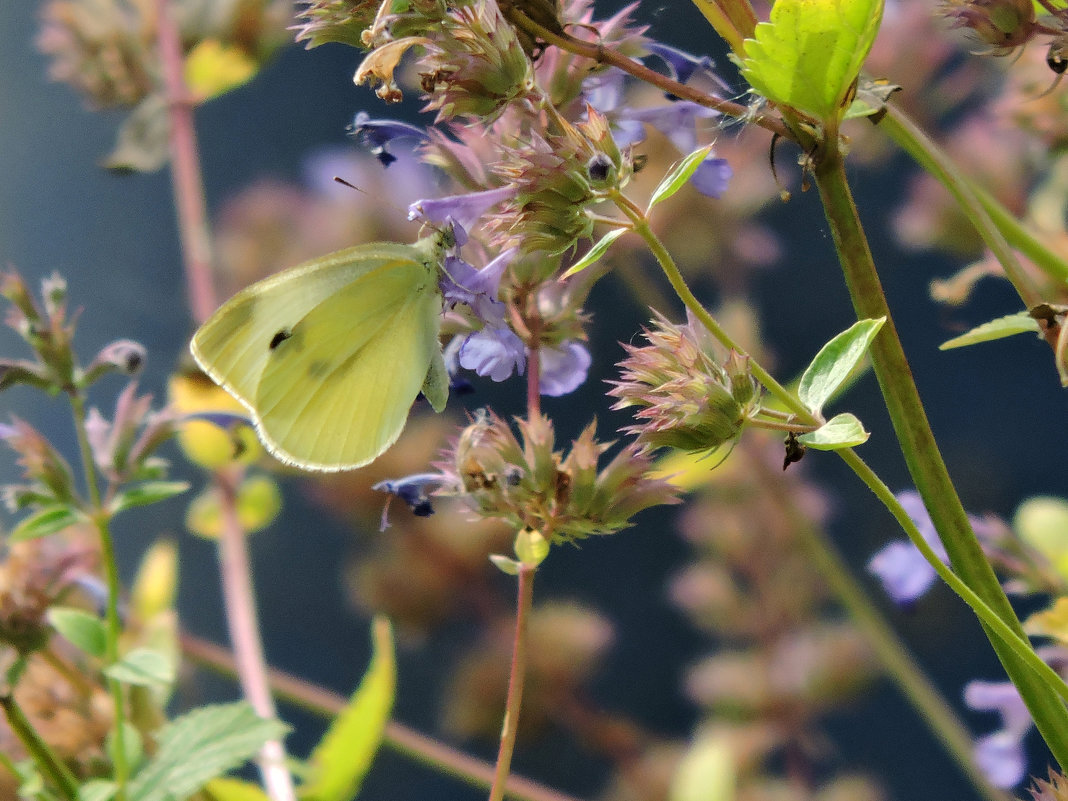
{"x":921,"y":452}
{"x":44,"y":758}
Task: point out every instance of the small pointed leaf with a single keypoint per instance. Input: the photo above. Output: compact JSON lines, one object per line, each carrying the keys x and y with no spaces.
{"x":504,"y":564}
{"x":679,"y":175}
{"x":143,"y":667}
{"x":147,"y":493}
{"x":841,"y":431}
{"x":97,"y":790}
{"x":835,"y":361}
{"x":83,"y":630}
{"x":594,"y":254}
{"x":47,"y":521}
{"x":341,"y":760}
{"x":227,"y":789}
{"x":1007,"y":326}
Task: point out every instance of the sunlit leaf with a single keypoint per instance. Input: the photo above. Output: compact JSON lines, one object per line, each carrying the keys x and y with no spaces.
{"x":44,"y":522}
{"x":1007,"y":326}
{"x":146,"y":493}
{"x":594,"y":254}
{"x":834,"y":363}
{"x":810,"y":52}
{"x":706,"y":771}
{"x":341,"y":760}
{"x":143,"y":667}
{"x":841,"y":431}
{"x":679,"y":175}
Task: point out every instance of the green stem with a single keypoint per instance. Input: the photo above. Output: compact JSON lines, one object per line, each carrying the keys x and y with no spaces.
{"x":936,"y":162}
{"x":43,"y":756}
{"x":113,"y":623}
{"x":921,"y":452}
{"x":890,"y":650}
{"x":510,"y":725}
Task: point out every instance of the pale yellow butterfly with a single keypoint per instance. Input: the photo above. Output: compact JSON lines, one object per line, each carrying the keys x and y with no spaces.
{"x":329,"y":355}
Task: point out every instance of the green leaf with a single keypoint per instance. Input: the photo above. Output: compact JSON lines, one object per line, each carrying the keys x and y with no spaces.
{"x":835,"y":361}
{"x":97,"y":790}
{"x":594,"y":254}
{"x":85,"y":631}
{"x":504,"y":564}
{"x":147,"y":493}
{"x":143,"y":667}
{"x":706,"y":771}
{"x":227,"y":789}
{"x":679,"y":175}
{"x":341,"y":760}
{"x":810,"y":52}
{"x":200,"y":746}
{"x":47,"y":521}
{"x":841,"y":431}
{"x":1007,"y":326}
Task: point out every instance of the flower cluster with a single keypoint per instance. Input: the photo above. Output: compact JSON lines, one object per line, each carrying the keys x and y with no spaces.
{"x":686,"y":398}
{"x":532,"y":486}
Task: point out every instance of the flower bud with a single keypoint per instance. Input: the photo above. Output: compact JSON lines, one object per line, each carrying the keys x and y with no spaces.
{"x":121,"y":356}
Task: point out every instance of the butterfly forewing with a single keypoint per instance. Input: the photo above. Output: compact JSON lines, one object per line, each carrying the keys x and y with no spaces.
{"x":335,"y":392}
{"x":234,"y":344}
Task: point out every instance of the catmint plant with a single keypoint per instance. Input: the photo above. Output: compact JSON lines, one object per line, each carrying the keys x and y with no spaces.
{"x":561,"y":148}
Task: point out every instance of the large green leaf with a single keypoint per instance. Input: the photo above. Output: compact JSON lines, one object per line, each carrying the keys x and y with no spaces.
{"x":200,"y":746}
{"x":810,"y":52}
{"x":341,"y":760}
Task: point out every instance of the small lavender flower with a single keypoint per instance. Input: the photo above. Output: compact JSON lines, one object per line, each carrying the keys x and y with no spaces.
{"x":377,"y":135}
{"x":493,"y":352}
{"x":477,"y":289}
{"x":465,"y":209}
{"x":563,"y":368}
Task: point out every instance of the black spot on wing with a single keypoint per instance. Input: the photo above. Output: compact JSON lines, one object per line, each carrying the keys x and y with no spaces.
{"x":281,"y":336}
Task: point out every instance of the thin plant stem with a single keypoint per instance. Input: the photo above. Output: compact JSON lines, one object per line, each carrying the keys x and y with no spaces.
{"x":195,"y":236}
{"x":43,"y":756}
{"x":921,"y":452}
{"x":185,"y":171}
{"x":242,"y":622}
{"x":889,"y":649}
{"x":112,"y":620}
{"x":412,"y":744}
{"x":525,"y":595}
{"x":605,"y":55}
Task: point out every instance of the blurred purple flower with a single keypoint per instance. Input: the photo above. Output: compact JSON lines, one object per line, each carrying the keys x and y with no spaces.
{"x":712,"y":176}
{"x":904,"y":573}
{"x":493,"y":352}
{"x":1000,"y":755}
{"x":682,"y":65}
{"x":376,"y":135}
{"x":563,"y":369}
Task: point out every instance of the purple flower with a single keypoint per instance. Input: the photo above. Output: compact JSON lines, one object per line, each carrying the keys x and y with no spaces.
{"x":563,"y":369}
{"x":376,"y":135}
{"x":1000,"y":755}
{"x":411,"y":490}
{"x":712,"y":176}
{"x":463,"y":283}
{"x":900,"y":566}
{"x":677,"y":121}
{"x":493,"y":352}
{"x":465,"y":210}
